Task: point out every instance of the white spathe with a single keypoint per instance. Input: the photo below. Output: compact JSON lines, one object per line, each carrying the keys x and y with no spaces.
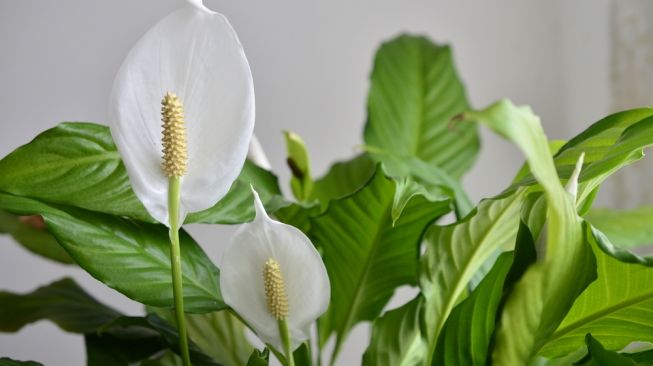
{"x":195,"y":54}
{"x":305,"y":277}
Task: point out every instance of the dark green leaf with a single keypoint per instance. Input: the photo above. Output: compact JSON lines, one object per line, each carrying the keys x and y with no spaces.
{"x":123,"y":350}
{"x":129,"y":256}
{"x":370,"y":241}
{"x":415,"y":91}
{"x":259,"y":358}
{"x":30,"y":232}
{"x":62,"y":302}
{"x":4,"y":361}
{"x":599,"y":356}
{"x":302,"y":355}
{"x":396,"y":337}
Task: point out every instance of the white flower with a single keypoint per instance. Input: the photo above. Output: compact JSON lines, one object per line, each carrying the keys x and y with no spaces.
{"x":251,"y":265}
{"x":194,"y":54}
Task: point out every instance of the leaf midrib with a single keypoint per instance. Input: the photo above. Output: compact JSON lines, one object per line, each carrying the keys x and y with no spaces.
{"x":594,"y":316}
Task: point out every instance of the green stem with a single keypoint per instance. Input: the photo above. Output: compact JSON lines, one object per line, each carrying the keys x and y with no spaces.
{"x":285,"y":342}
{"x":175,"y":261}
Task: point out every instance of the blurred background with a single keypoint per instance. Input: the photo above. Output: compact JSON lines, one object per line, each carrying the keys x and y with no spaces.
{"x":573,"y":62}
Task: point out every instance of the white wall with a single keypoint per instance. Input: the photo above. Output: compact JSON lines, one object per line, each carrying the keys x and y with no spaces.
{"x":311,"y":62}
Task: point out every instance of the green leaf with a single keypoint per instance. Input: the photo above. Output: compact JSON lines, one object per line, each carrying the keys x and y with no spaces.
{"x":109,"y":350}
{"x":455,"y":252}
{"x":77,"y":164}
{"x":617,"y":308}
{"x":27,"y":231}
{"x":302,"y":355}
{"x":167,"y":358}
{"x":134,"y":328}
{"x":4,"y":361}
{"x":622,"y":254}
{"x":62,"y":302}
{"x":301,"y":181}
{"x":219,"y":334}
{"x":414,"y":92}
{"x":627,"y":229}
{"x":467,"y":335}
{"x":259,"y":358}
{"x":546,"y":292}
{"x":368,"y":252}
{"x":343,"y":179}
{"x":131,"y":257}
{"x":599,"y":356}
{"x":396,"y":337}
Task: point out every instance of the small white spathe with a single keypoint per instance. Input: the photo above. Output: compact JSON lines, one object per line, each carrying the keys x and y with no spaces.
{"x":305,"y":277}
{"x":195,"y":54}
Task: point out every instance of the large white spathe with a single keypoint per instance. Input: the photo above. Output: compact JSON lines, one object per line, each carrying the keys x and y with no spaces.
{"x":195,"y":54}
{"x":305,"y":277}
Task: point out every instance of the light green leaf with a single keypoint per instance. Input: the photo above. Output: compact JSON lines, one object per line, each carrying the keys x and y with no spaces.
{"x":454,"y":253}
{"x":366,"y":255}
{"x":396,"y":337}
{"x":565,"y":266}
{"x":62,"y":302}
{"x":219,"y":334}
{"x":259,"y":358}
{"x":466,"y":336}
{"x":414,"y":92}
{"x":627,"y":229}
{"x":301,"y":181}
{"x":617,"y":308}
{"x":77,"y":164}
{"x":27,"y":231}
{"x":131,"y":257}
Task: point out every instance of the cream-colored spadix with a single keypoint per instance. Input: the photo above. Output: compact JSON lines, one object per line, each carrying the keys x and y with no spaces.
{"x":271,"y":271}
{"x":194,"y":54}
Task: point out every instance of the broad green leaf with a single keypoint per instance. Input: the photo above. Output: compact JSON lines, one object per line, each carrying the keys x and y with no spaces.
{"x":219,"y":334}
{"x":617,"y":308}
{"x":131,"y":257}
{"x":368,"y":252}
{"x":62,"y":302}
{"x":618,"y":252}
{"x":455,"y":252}
{"x":599,"y":356}
{"x":396,"y":337}
{"x":4,"y":361}
{"x":414,"y":92}
{"x":77,"y":164}
{"x":30,"y":232}
{"x":302,"y":355}
{"x":467,"y":335}
{"x":134,"y":328}
{"x":259,"y":358}
{"x":301,"y":181}
{"x":343,"y":179}
{"x":627,"y":229}
{"x":565,"y":266}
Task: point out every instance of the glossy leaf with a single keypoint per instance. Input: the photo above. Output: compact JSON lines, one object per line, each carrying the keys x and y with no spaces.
{"x":219,"y":334}
{"x":468,"y":333}
{"x":617,"y":308}
{"x":368,"y":252}
{"x":396,"y":337}
{"x":30,"y":232}
{"x":62,"y":302}
{"x":77,"y":164}
{"x":414,"y":92}
{"x":130,"y":256}
{"x":565,"y":266}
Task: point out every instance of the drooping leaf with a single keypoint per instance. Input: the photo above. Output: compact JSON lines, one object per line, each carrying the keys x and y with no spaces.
{"x":626,"y":229}
{"x":599,"y":356}
{"x":77,"y":164}
{"x":618,"y":252}
{"x":467,"y":334}
{"x":455,"y":252}
{"x":219,"y":334}
{"x":5,"y":361}
{"x":130,"y":256}
{"x":30,"y":232}
{"x":63,"y":302}
{"x":543,"y":296}
{"x":396,"y":337}
{"x":617,"y":308}
{"x":133,"y":328}
{"x":368,"y":252}
{"x":414,"y":92}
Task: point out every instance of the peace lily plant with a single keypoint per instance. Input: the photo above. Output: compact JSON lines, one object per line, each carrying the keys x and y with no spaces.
{"x":534,"y":275}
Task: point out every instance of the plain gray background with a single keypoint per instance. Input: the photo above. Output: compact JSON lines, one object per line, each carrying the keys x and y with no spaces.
{"x":310,"y":62}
